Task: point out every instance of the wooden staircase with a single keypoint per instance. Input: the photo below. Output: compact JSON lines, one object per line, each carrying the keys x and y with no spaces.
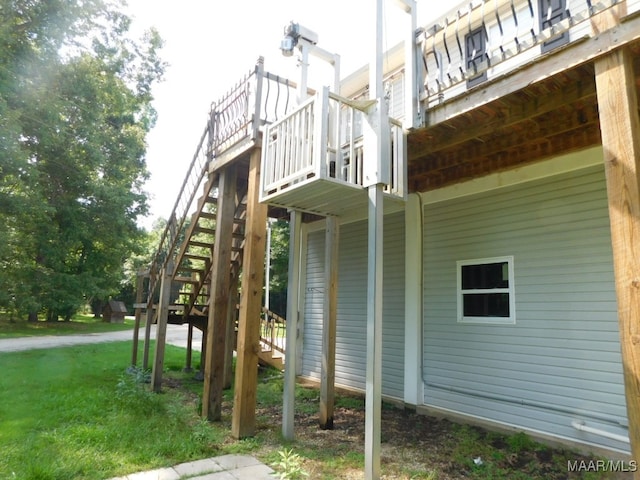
{"x":203,"y":244}
{"x":195,"y":255}
{"x":272,"y":339}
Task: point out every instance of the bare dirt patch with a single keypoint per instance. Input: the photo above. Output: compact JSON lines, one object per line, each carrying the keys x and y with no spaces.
{"x":413,"y":446}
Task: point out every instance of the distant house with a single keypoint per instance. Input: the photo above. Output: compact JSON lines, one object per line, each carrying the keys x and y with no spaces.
{"x":114,"y":311}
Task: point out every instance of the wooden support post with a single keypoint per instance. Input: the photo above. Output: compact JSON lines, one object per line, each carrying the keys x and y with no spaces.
{"x":293,"y":297}
{"x":187,"y":364}
{"x":147,"y":336}
{"x":620,"y":126}
{"x":328,"y":368}
{"x":203,"y":354}
{"x":219,"y":300}
{"x":244,"y":402}
{"x":138,"y":315}
{"x":232,"y":313}
{"x":161,"y":327}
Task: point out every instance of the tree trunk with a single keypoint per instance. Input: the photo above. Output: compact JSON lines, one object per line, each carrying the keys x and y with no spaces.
{"x":33,"y":317}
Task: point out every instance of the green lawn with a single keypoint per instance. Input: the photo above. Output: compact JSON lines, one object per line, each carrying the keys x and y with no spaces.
{"x":78,"y":324}
{"x":72,"y":413}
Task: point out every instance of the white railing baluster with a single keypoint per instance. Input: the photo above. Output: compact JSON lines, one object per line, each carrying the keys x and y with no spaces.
{"x":320,"y":135}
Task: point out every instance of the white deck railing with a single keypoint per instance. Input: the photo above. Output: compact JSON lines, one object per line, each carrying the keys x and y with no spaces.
{"x":322,"y":139}
{"x":485,"y":39}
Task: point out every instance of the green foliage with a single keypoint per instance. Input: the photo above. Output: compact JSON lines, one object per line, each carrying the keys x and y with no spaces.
{"x":71,"y":413}
{"x":75,"y":95}
{"x":521,"y":442}
{"x":289,"y":466}
{"x":278,"y":279}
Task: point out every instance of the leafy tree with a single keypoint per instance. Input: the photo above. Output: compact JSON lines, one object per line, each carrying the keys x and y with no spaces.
{"x":75,"y":106}
{"x":278,"y":280}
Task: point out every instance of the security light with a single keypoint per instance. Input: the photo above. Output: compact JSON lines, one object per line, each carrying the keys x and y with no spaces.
{"x":295,"y":33}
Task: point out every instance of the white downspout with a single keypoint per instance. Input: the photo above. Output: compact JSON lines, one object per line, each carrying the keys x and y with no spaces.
{"x":579,"y":425}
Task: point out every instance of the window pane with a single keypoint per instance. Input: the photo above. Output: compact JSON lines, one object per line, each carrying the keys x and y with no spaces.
{"x":486,"y":304}
{"x":486,"y":275}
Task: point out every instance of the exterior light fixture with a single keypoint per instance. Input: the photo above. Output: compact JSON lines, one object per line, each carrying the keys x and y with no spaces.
{"x":294,"y":33}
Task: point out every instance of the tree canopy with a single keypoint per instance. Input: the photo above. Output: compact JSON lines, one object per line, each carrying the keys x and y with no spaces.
{"x":75,"y":107}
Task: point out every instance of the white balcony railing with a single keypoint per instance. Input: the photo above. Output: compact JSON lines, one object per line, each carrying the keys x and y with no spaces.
{"x":322,"y":140}
{"x":482,"y":40}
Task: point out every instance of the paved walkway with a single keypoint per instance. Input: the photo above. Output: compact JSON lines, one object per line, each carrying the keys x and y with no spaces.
{"x":226,"y":467}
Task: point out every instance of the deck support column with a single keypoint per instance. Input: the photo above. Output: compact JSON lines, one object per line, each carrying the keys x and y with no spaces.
{"x":377,"y":173}
{"x":188,"y":360}
{"x":147,"y":334}
{"x":219,"y":299}
{"x":620,"y":128}
{"x":244,"y":401}
{"x":293,"y":309}
{"x":138,"y":315}
{"x":413,"y":382}
{"x":328,"y":369}
{"x":373,"y":401}
{"x":231,"y":331}
{"x":161,"y":327}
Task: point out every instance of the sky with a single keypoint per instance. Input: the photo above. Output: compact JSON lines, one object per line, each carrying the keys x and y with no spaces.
{"x":211,"y":44}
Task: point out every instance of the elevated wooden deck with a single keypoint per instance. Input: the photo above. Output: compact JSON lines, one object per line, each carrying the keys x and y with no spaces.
{"x":534,"y":101}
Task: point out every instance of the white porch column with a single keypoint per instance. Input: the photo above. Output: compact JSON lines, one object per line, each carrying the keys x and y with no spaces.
{"x":413,"y":383}
{"x":293,"y":308}
{"x":377,"y":155}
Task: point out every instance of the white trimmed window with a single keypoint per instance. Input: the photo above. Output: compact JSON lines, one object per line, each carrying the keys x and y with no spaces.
{"x":485,"y":291}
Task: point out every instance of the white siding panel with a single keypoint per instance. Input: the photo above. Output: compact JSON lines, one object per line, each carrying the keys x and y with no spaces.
{"x":312,"y":336}
{"x":351,"y":343}
{"x":561,"y":360}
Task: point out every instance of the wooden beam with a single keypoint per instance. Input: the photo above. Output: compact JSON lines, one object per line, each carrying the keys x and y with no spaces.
{"x":219,"y":296}
{"x":541,"y":149}
{"x":620,"y":124}
{"x":244,"y":402}
{"x":519,"y":140}
{"x":328,"y":367}
{"x":161,"y":327}
{"x":329,"y":320}
{"x":533,"y":107}
{"x":138,"y":315}
{"x":147,"y":335}
{"x":187,"y":363}
{"x":232,"y":312}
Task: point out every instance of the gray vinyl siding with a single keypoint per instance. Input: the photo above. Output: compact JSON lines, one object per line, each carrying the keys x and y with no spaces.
{"x":561,"y":360}
{"x":352,"y":306}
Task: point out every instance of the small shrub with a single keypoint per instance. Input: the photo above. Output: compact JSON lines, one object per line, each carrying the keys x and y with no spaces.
{"x":290,"y":466}
{"x":131,"y":391}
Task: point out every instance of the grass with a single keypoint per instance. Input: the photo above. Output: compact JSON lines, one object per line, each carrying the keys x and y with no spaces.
{"x":73,"y":413}
{"x":12,"y":328}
